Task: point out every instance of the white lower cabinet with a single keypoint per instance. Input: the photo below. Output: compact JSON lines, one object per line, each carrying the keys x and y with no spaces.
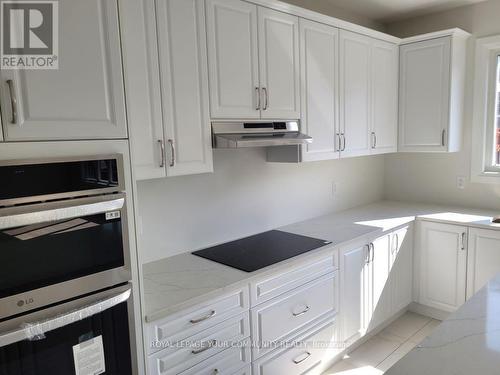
{"x":483,"y":259}
{"x":401,"y":269}
{"x":442,"y":271}
{"x":282,"y":317}
{"x":186,"y":353}
{"x":379,"y":306}
{"x":307,"y":356}
{"x":232,"y":361}
{"x":353,"y":295}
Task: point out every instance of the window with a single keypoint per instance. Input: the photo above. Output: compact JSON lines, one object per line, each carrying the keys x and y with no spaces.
{"x":485,"y":165}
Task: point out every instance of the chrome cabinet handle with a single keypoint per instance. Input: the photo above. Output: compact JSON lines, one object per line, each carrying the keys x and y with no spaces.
{"x":172,"y":152}
{"x":257,"y":92}
{"x":463,"y":240}
{"x":162,"y":152}
{"x":443,"y":133}
{"x":373,"y":251}
{"x":374,"y":140}
{"x":215,"y":371}
{"x":343,"y":142}
{"x":338,"y":144}
{"x":210,"y":344}
{"x":302,"y":312}
{"x":303,"y":359}
{"x":266,"y":103}
{"x":367,"y":256}
{"x":208,"y":316}
{"x":13,"y":101}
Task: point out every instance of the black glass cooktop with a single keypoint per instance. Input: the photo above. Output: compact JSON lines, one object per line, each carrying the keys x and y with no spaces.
{"x":261,"y":250}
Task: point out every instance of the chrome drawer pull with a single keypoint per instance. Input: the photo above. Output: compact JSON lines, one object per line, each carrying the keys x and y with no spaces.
{"x":302,"y":312}
{"x":303,"y":359}
{"x":209,"y":344}
{"x":208,"y":316}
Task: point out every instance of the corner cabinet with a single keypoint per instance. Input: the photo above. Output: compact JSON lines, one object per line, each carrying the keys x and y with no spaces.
{"x":443,"y":261}
{"x":432,"y":89}
{"x":84,"y":97}
{"x":175,"y":140}
{"x":253,"y":59}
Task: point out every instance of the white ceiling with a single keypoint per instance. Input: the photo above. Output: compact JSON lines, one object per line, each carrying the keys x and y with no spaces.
{"x":392,"y":10}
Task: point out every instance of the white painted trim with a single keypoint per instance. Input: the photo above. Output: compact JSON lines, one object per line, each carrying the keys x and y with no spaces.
{"x":484,"y":49}
{"x":454,"y":33}
{"x":319,"y":17}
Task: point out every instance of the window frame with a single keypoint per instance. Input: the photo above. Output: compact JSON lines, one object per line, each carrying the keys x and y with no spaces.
{"x":483,"y":168}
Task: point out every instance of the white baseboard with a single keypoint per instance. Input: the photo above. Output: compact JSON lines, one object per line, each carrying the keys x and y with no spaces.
{"x":431,"y":312}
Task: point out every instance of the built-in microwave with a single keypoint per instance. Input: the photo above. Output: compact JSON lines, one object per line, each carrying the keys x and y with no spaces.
{"x":63,"y":230}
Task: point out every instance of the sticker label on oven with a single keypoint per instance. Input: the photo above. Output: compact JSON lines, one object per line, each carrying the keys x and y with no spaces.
{"x":112,"y":215}
{"x":89,"y":357}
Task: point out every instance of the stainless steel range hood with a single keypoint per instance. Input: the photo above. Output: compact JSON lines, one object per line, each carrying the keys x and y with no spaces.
{"x":257,"y":134}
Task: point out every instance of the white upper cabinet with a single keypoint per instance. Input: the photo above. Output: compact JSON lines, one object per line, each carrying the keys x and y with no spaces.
{"x":443,"y":258}
{"x":483,"y":259}
{"x":384,"y":97}
{"x":253,"y":59}
{"x":233,"y":59}
{"x":319,"y":89}
{"x":355,"y":73}
{"x":84,"y":98}
{"x":432,"y":75}
{"x":184,"y":86}
{"x":279,"y":64}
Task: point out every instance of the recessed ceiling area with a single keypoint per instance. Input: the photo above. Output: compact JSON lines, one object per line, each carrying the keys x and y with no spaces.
{"x":393,"y":10}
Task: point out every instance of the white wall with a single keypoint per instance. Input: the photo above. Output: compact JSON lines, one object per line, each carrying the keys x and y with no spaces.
{"x":432,"y":177}
{"x":329,"y":8}
{"x":247,"y":195}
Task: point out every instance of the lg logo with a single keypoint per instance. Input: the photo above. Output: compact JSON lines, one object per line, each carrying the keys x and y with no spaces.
{"x":27,"y":301}
{"x":29,"y":34}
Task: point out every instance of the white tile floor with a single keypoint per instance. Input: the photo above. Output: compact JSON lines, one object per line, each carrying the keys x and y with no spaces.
{"x":382,"y":351}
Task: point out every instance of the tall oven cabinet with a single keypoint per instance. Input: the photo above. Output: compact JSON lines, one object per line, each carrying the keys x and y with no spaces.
{"x":84,"y":97}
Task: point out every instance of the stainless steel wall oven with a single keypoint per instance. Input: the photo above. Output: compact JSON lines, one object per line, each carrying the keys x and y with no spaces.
{"x":63,"y":230}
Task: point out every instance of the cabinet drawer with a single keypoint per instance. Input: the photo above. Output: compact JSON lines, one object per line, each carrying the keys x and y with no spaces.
{"x":263,"y":290}
{"x":232,"y":361}
{"x":282,"y":317}
{"x":313,"y":354}
{"x":196,"y":319}
{"x":195,"y":349}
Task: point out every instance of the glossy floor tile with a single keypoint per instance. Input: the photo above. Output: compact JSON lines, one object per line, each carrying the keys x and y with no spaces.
{"x":383,"y":350}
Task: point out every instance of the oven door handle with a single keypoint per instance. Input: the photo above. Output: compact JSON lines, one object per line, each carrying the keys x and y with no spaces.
{"x":36,"y":330}
{"x":28,"y":215}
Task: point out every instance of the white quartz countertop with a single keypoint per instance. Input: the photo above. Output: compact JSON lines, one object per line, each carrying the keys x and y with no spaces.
{"x":468,"y":342}
{"x":177,"y":282}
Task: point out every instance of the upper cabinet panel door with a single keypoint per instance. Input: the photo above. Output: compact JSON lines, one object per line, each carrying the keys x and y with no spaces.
{"x":184,"y":84}
{"x":233,"y":59}
{"x":424,"y":95}
{"x":384,"y":96}
{"x":84,"y":98}
{"x":355,"y":72}
{"x":279,"y":64}
{"x":319,"y":89}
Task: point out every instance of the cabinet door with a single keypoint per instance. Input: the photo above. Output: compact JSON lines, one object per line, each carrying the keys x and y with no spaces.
{"x":424,"y":95}
{"x":84,"y":98}
{"x":483,"y":260}
{"x":354,"y":296}
{"x":184,"y":84}
{"x":401,"y":270}
{"x":384,"y":97}
{"x":355,"y":72}
{"x":379,"y":309}
{"x":319,"y":89}
{"x":279,"y":64}
{"x":443,"y":256}
{"x":233,"y":59}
